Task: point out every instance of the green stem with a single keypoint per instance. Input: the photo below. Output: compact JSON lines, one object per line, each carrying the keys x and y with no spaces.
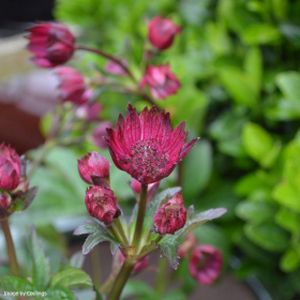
{"x":121,"y":280}
{"x":140,"y":217}
{"x":11,"y":252}
{"x":161,"y":280}
{"x":120,"y":229}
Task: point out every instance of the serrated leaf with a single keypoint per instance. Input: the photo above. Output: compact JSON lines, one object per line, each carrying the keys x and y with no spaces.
{"x":59,"y":293}
{"x":168,"y":247}
{"x":71,"y":277}
{"x":40,"y":263}
{"x":13,"y":283}
{"x":97,"y":234}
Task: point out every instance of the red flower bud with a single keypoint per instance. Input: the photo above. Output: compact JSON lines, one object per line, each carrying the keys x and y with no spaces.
{"x":146,"y":146}
{"x":161,"y":81}
{"x":161,"y":32}
{"x":72,"y":87}
{"x":89,"y":111}
{"x":171,"y":216}
{"x":51,"y":43}
{"x":101,"y":203}
{"x":114,"y":68}
{"x":93,"y":168}
{"x":99,"y":133}
{"x":205,"y":264}
{"x":10,"y":168}
{"x":187,"y":246}
{"x":136,"y":187}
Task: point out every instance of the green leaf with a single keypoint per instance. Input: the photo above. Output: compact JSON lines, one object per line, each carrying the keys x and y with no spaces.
{"x":60,"y":293}
{"x":259,"y":144}
{"x":77,"y":260}
{"x":168,"y":247}
{"x":200,"y":158}
{"x":256,"y":212}
{"x":40,"y":263}
{"x":138,"y":289}
{"x":288,"y":219}
{"x":290,"y":261}
{"x":13,"y":283}
{"x":97,"y":234}
{"x":289,"y":83}
{"x":268,"y":236}
{"x":71,"y":277}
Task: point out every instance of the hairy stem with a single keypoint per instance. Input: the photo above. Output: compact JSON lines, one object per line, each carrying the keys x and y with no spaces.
{"x":140,"y":217}
{"x":121,"y":280}
{"x":11,"y":252}
{"x":119,"y":227}
{"x":110,"y":57}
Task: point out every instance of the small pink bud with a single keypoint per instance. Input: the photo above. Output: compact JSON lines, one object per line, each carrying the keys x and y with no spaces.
{"x":161,"y":32}
{"x":10,"y":168}
{"x":161,"y":81}
{"x":171,"y":216}
{"x":72,"y":87}
{"x":101,"y":203}
{"x":89,"y":111}
{"x":114,"y":68}
{"x":51,"y":43}
{"x":187,"y":246}
{"x":5,"y":201}
{"x":136,"y":187}
{"x":205,"y":264}
{"x":93,"y":168}
{"x":99,"y":133}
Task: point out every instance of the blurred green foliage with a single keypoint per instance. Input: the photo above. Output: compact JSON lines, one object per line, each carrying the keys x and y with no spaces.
{"x":238,"y":62}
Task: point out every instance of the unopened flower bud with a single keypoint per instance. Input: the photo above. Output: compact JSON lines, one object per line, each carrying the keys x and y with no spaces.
{"x":171,"y":216}
{"x":161,"y":32}
{"x":51,"y":43}
{"x":10,"y":168}
{"x":205,"y":264}
{"x":5,"y":201}
{"x":102,"y":204}
{"x":93,"y":168}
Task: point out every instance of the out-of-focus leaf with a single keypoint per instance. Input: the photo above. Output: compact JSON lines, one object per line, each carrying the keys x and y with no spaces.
{"x":61,"y":293}
{"x":288,"y":219}
{"x":15,"y":284}
{"x":290,"y":261}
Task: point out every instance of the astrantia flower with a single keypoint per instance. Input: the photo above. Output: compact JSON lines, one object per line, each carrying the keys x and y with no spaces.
{"x":51,"y":43}
{"x":171,"y":216}
{"x":93,"y":168}
{"x":161,"y":81}
{"x":205,"y":264}
{"x":161,"y":32}
{"x":99,"y":133}
{"x":72,"y":86}
{"x":10,"y":168}
{"x":146,"y":146}
{"x":101,"y":203}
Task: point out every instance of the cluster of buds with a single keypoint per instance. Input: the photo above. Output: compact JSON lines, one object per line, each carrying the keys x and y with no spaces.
{"x":14,"y":187}
{"x":205,"y":261}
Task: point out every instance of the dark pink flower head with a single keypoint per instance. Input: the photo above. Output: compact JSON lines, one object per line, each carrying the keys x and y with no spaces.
{"x":205,"y":264}
{"x":139,"y":266}
{"x":89,"y":111}
{"x":72,"y":87}
{"x":10,"y":168}
{"x":171,"y":216}
{"x":161,"y":32}
{"x":146,"y":146}
{"x":93,"y":168}
{"x":114,"y":68}
{"x":99,"y":134}
{"x":161,"y":81}
{"x":101,"y":203}
{"x":136,"y":187}
{"x":51,"y":43}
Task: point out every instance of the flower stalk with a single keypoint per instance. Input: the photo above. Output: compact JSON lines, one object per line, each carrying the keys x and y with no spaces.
{"x":11,"y":252}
